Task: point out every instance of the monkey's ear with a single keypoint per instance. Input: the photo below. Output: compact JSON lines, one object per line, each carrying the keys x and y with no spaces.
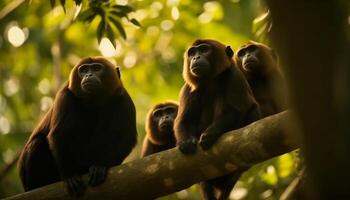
{"x":229,"y":51}
{"x":118,"y":71}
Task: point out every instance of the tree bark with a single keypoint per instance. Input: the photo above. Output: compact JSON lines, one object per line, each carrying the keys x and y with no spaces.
{"x":170,"y":171}
{"x":311,"y":38}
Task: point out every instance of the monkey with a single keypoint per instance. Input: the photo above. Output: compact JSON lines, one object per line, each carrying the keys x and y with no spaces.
{"x":90,"y":127}
{"x":258,"y":62}
{"x":159,"y":128}
{"x":215,"y":98}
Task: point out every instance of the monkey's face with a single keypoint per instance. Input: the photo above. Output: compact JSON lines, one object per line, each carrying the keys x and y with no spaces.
{"x":164,"y":118}
{"x":250,"y":58}
{"x":90,"y":75}
{"x":198,"y":59}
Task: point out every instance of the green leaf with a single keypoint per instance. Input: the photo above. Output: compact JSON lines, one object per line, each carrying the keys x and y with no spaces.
{"x":88,"y":15}
{"x":125,"y":9}
{"x":53,"y":3}
{"x":95,"y":3}
{"x":99,"y":11}
{"x":270,"y":176}
{"x":118,"y":25}
{"x":63,"y":2}
{"x":78,"y":2}
{"x":118,"y":14}
{"x":135,"y":22}
{"x":285,"y":165}
{"x":261,"y":23}
{"x":111,"y":36}
{"x":100,"y":30}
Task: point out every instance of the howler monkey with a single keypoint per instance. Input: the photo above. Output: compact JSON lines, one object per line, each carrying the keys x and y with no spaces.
{"x":216,"y":98}
{"x":159,"y":128}
{"x":90,"y":127}
{"x":258,"y":63}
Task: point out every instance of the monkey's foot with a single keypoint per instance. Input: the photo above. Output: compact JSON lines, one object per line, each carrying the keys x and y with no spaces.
{"x":97,"y":175}
{"x":188,"y":146}
{"x":207,"y":140}
{"x":75,"y":186}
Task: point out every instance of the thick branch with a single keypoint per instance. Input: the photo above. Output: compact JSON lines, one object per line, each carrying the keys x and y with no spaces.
{"x":171,"y":171}
{"x":7,"y":168}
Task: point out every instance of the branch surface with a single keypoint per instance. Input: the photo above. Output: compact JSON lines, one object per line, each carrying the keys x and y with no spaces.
{"x":170,"y":171}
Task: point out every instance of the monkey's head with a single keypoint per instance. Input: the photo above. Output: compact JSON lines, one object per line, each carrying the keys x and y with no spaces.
{"x":255,"y":59}
{"x":160,"y":122}
{"x":94,"y":77}
{"x":204,"y":60}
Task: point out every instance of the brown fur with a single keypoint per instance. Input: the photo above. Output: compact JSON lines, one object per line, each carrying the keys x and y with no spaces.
{"x":79,"y":132}
{"x":154,"y":140}
{"x":211,"y":106}
{"x":218,"y":59}
{"x":112,"y":83}
{"x":268,"y":85}
{"x":150,"y":126}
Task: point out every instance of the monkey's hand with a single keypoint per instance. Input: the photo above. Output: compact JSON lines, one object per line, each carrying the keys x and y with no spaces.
{"x":207,"y":140}
{"x":75,"y":186}
{"x":188,"y":146}
{"x":97,"y":175}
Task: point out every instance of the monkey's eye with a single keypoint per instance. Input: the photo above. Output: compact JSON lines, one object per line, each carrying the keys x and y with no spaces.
{"x":251,"y":48}
{"x":204,"y":48}
{"x":240,"y":53}
{"x":157,"y":113}
{"x":170,"y":110}
{"x":191,"y":51}
{"x":83,"y":69}
{"x":97,"y":67}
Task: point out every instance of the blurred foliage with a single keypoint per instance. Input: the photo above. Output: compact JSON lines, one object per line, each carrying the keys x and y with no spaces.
{"x":110,"y":14}
{"x":39,"y":44}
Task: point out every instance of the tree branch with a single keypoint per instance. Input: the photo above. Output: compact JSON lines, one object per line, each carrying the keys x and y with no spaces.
{"x":7,"y":168}
{"x":170,"y":171}
{"x":10,"y":7}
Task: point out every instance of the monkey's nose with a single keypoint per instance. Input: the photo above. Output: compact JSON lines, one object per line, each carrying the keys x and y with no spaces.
{"x":196,"y":57}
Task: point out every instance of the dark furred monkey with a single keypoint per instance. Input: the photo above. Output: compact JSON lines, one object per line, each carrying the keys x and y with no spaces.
{"x":216,"y":98}
{"x":90,"y":127}
{"x":160,"y":128}
{"x":258,"y":62}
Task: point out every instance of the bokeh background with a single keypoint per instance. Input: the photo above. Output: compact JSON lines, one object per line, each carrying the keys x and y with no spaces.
{"x":39,"y":45}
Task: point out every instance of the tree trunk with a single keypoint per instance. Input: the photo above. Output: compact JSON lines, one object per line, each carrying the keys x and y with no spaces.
{"x":311,"y":38}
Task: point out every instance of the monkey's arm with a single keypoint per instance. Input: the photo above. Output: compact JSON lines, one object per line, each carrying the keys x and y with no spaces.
{"x":36,"y":165}
{"x":186,"y":121}
{"x":238,"y":109}
{"x":61,"y":140}
{"x":129,"y":127}
{"x":229,"y":120}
